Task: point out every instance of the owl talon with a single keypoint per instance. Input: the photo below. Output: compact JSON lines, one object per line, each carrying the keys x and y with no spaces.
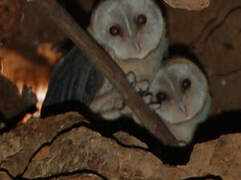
{"x":147,"y":99}
{"x":155,"y":106}
{"x":131,"y":78}
{"x":111,"y":115}
{"x":142,"y":86}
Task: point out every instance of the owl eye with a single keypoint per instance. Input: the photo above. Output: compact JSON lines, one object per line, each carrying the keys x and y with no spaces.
{"x":161,"y":96}
{"x":115,"y":30}
{"x":186,"y":84}
{"x":141,"y":19}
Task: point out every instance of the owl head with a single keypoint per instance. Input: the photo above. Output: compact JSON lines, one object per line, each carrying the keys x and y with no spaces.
{"x":127,"y":28}
{"x":181,"y":91}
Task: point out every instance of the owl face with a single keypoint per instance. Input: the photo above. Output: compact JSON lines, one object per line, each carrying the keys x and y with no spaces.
{"x":181,"y":90}
{"x":127,"y":28}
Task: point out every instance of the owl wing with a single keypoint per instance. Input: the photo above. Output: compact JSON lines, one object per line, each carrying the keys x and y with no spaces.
{"x":73,"y":84}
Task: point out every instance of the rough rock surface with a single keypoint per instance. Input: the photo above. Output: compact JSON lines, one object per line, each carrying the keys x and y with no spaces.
{"x":4,"y":176}
{"x":66,"y":145}
{"x":220,"y":157}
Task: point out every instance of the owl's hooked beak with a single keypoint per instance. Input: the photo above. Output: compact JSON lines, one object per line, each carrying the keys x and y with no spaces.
{"x":179,"y":101}
{"x":135,"y":43}
{"x":183,"y":107}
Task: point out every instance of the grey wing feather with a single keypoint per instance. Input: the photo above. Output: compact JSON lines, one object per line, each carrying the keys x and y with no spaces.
{"x":74,"y":80}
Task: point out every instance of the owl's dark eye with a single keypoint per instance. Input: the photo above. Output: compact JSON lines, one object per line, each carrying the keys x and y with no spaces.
{"x":141,"y":19}
{"x":161,"y":96}
{"x":186,"y":84}
{"x":115,"y":30}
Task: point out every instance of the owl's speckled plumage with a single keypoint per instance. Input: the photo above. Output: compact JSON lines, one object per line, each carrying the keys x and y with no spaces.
{"x":180,"y":96}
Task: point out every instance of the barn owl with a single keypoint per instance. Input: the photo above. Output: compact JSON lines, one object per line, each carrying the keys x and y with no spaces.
{"x":180,"y":96}
{"x":133,"y":33}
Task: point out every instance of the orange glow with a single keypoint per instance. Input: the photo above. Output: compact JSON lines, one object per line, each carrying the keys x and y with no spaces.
{"x":24,"y":72}
{"x":46,"y":50}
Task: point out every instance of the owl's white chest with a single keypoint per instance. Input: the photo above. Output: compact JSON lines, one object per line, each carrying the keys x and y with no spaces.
{"x":144,"y":69}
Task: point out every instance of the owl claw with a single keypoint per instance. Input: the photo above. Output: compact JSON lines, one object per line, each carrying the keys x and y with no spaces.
{"x":155,"y":106}
{"x":131,"y":78}
{"x":142,"y":86}
{"x":148,"y":99}
{"x":111,"y":115}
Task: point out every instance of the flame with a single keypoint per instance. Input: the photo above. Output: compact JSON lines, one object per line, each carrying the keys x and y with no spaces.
{"x":24,"y":72}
